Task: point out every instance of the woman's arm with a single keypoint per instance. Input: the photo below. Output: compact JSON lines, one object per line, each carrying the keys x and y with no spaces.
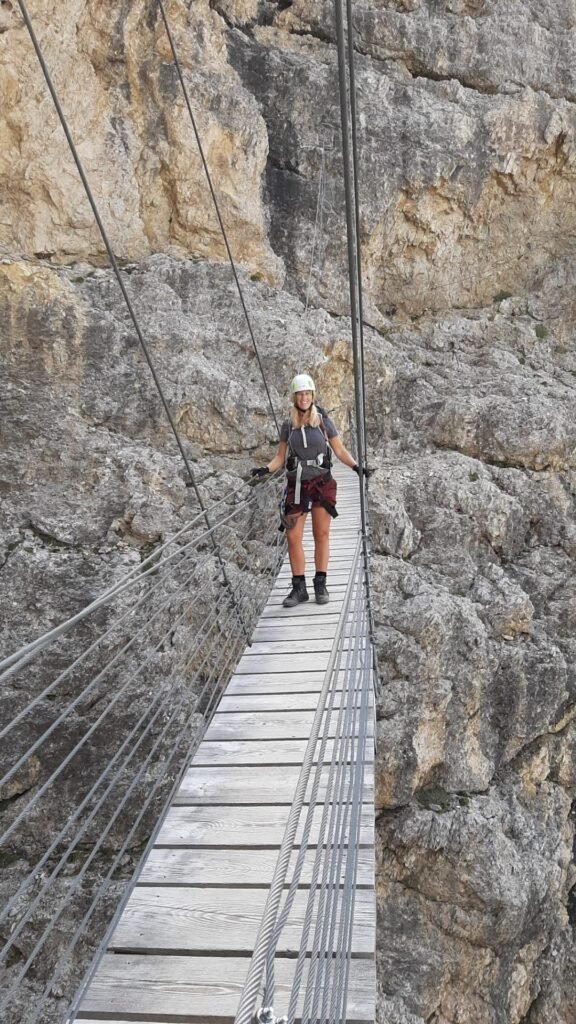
{"x":278,"y":459}
{"x":341,"y":452}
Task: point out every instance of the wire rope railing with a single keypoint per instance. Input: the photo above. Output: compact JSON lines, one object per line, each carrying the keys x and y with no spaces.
{"x":326,"y":936}
{"x":103,"y":717}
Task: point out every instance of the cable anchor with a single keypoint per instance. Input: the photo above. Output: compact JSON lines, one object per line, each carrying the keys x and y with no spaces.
{"x":267,"y":1016}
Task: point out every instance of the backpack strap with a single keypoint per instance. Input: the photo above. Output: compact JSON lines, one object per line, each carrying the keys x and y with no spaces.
{"x":308,"y":462}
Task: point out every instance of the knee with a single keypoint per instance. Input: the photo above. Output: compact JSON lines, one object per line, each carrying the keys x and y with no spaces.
{"x":321,"y":534}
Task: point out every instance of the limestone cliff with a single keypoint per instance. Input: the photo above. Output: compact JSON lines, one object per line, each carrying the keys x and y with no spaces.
{"x":467,"y":136}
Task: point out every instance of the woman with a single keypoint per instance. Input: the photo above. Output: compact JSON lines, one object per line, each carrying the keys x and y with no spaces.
{"x":305,"y":450}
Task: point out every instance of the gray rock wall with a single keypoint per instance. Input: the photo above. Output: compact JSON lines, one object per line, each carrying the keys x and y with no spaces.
{"x":467,"y":165}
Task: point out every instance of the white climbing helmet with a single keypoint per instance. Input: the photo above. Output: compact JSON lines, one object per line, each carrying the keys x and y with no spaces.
{"x":302,"y":382}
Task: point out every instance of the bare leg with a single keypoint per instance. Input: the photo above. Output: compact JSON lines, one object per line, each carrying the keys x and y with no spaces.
{"x":321,"y":520}
{"x":295,"y":549}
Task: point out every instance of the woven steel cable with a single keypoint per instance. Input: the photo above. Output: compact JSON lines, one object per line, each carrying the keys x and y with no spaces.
{"x":350,"y":168}
{"x":332,"y":863}
{"x":344,"y":950}
{"x":341,"y":908}
{"x":176,"y":671}
{"x":270,"y":914}
{"x":155,"y":569}
{"x":103,"y":672}
{"x":333,"y":785}
{"x":356,"y":179}
{"x":92,"y":729}
{"x":340,"y":994}
{"x":120,"y":908}
{"x":268,"y":998}
{"x":100,"y":675}
{"x":25,"y":757}
{"x":34,"y":873}
{"x":215,"y":201}
{"x":79,"y":876}
{"x":336,"y":844}
{"x":79,"y":931}
{"x":191,"y":477}
{"x":134,"y":576}
{"x":26,"y":882}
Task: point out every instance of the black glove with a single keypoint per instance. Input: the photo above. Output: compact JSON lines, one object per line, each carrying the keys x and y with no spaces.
{"x":367,"y":472}
{"x":259,"y":471}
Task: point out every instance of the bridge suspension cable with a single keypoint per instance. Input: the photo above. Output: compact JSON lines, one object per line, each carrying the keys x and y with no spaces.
{"x":202,"y":663}
{"x":216,"y":204}
{"x":191,"y":482}
{"x":174,"y":685}
{"x":348,"y":119}
{"x":338,"y":829}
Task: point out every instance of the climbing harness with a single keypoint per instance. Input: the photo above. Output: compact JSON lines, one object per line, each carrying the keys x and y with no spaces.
{"x":294,"y":463}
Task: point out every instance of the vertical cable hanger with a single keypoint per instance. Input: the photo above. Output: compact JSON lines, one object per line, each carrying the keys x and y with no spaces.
{"x":346,"y":81}
{"x":191,"y":481}
{"x":215,"y":202}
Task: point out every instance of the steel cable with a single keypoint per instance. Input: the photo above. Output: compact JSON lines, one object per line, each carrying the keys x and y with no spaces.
{"x":332,"y":865}
{"x":269,"y":917}
{"x":341,"y":903}
{"x":338,"y":765}
{"x":231,"y":640}
{"x":24,"y":654}
{"x":113,"y":262}
{"x":216,"y":205}
{"x":119,"y":693}
{"x":86,"y":800}
{"x":312,"y":803}
{"x":81,"y":658}
{"x":340,"y":994}
{"x":122,"y":904}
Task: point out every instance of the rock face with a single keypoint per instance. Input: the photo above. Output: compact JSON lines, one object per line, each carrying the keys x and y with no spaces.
{"x":128,"y":119}
{"x":474,"y":529}
{"x":467,"y":149}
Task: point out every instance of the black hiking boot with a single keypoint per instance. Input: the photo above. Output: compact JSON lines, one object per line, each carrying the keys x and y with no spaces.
{"x":298,"y":594}
{"x":322,"y":595}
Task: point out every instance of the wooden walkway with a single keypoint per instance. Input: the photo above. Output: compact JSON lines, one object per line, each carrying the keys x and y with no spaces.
{"x":180,"y":952}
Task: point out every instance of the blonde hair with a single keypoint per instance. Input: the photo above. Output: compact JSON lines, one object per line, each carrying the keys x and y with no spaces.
{"x":311,"y":418}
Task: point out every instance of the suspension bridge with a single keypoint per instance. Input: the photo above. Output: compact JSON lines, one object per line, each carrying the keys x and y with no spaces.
{"x":186,"y":791}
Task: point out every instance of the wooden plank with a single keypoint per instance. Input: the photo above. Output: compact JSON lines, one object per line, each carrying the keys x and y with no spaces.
{"x":249,"y":785}
{"x":244,"y":827}
{"x":282,"y":587}
{"x":280,"y":682}
{"x":307,"y":609}
{"x":336,"y":596}
{"x":340,"y":572}
{"x":319,"y":614}
{"x":272,"y":702}
{"x":294,"y":632}
{"x":177,"y":921}
{"x":261,"y":752}
{"x":288,"y":647}
{"x":253,"y":725}
{"x":271,"y":663}
{"x":234,"y":869}
{"x":191,"y":990}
